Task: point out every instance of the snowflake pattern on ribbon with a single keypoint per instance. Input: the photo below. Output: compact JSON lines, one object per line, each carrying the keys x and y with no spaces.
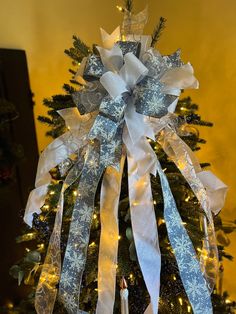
{"x":192,"y":278}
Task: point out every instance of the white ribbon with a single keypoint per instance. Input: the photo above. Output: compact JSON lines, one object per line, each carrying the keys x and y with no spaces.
{"x":128,"y":76}
{"x":109,"y":40}
{"x":56,"y":152}
{"x":144,"y":225}
{"x":107,"y":261}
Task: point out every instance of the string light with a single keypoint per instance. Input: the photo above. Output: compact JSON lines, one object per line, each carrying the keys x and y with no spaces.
{"x":10,"y":305}
{"x":46,"y":206}
{"x":27,"y":249}
{"x":95,"y":216}
{"x":52,"y":193}
{"x":75,"y":193}
{"x":187,"y":199}
{"x":92,"y":244}
{"x":174,"y":277}
{"x":180,"y":301}
{"x":154,"y":202}
{"x":189,"y":308}
{"x":119,"y":8}
{"x":227,"y":301}
{"x":119,"y":237}
{"x":41,"y":246}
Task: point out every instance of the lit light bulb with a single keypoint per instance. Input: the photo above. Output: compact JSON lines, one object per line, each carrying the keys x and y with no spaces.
{"x":154,"y":202}
{"x":10,"y":305}
{"x":52,"y":193}
{"x":180,"y":301}
{"x":119,"y":8}
{"x":94,"y":216}
{"x":75,"y":193}
{"x":189,"y":308}
{"x":119,"y":237}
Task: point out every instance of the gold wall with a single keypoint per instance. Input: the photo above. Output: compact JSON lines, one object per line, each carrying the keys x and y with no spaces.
{"x":204,"y":30}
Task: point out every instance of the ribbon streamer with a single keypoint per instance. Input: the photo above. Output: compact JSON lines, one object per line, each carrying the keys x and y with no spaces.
{"x":189,"y":267}
{"x":76,"y":250}
{"x":189,"y":166}
{"x":108,"y":248}
{"x":46,"y":291}
{"x":144,"y":229}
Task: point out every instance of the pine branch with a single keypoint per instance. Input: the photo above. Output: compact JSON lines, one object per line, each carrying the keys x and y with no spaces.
{"x":78,"y":51}
{"x":129,"y":5}
{"x":45,"y":120}
{"x":158,"y":31}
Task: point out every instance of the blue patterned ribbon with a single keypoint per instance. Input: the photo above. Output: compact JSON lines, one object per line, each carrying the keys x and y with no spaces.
{"x":189,"y":267}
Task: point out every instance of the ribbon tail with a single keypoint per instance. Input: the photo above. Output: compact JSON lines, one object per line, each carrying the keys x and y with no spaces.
{"x":144,"y":228}
{"x":190,"y":168}
{"x":46,"y":290}
{"x":189,"y":267}
{"x":107,"y":261}
{"x":76,"y":250}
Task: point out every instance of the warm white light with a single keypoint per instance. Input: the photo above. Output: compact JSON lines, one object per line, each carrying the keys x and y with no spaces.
{"x":187,"y":199}
{"x":119,"y":8}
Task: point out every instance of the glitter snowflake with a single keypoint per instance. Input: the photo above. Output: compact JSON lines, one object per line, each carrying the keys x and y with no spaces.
{"x":182,"y":245}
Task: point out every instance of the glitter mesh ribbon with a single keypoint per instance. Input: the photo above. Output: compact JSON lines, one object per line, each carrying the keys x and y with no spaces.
{"x":189,"y":166}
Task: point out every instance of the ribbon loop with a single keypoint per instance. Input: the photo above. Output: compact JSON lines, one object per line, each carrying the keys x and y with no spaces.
{"x":133,"y":70}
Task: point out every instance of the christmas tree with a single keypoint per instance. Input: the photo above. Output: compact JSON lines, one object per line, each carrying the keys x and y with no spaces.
{"x":173,"y":297}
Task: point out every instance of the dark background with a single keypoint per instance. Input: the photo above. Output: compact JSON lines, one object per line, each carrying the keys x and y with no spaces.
{"x":15,"y":88}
